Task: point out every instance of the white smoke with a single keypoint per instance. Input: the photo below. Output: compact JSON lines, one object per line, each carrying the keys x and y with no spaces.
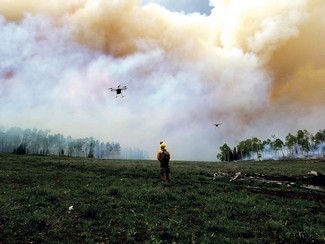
{"x":184,"y":72}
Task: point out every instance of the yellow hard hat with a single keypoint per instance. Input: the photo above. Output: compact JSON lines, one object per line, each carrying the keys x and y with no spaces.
{"x":163,"y":145}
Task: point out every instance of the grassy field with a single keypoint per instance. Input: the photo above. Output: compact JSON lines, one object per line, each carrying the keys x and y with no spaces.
{"x":118,"y":201}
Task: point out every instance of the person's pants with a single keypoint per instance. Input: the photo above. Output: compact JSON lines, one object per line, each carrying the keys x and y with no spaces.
{"x":165,"y":171}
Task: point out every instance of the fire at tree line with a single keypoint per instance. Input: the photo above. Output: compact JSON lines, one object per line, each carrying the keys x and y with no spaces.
{"x":303,"y":144}
{"x":38,"y":142}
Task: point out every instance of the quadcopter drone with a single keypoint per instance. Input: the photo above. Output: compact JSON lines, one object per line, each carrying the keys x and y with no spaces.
{"x":118,"y":90}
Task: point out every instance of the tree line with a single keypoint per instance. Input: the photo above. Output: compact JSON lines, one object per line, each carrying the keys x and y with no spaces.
{"x":42,"y":142}
{"x":301,"y":144}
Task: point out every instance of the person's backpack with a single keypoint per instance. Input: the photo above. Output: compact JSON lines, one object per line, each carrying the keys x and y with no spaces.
{"x":165,"y":156}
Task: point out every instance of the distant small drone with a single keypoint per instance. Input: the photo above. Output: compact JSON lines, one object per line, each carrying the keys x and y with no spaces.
{"x":118,"y":90}
{"x":217,"y":125}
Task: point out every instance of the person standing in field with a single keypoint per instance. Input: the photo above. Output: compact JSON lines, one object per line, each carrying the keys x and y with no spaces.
{"x":163,"y":157}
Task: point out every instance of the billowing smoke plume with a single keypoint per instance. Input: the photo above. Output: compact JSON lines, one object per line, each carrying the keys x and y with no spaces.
{"x":256,"y":67}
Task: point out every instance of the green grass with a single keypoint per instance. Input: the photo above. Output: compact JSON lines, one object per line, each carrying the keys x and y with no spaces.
{"x":125,"y":201}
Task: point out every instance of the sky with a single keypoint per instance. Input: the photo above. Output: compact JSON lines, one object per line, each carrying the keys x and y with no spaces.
{"x":256,"y":68}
